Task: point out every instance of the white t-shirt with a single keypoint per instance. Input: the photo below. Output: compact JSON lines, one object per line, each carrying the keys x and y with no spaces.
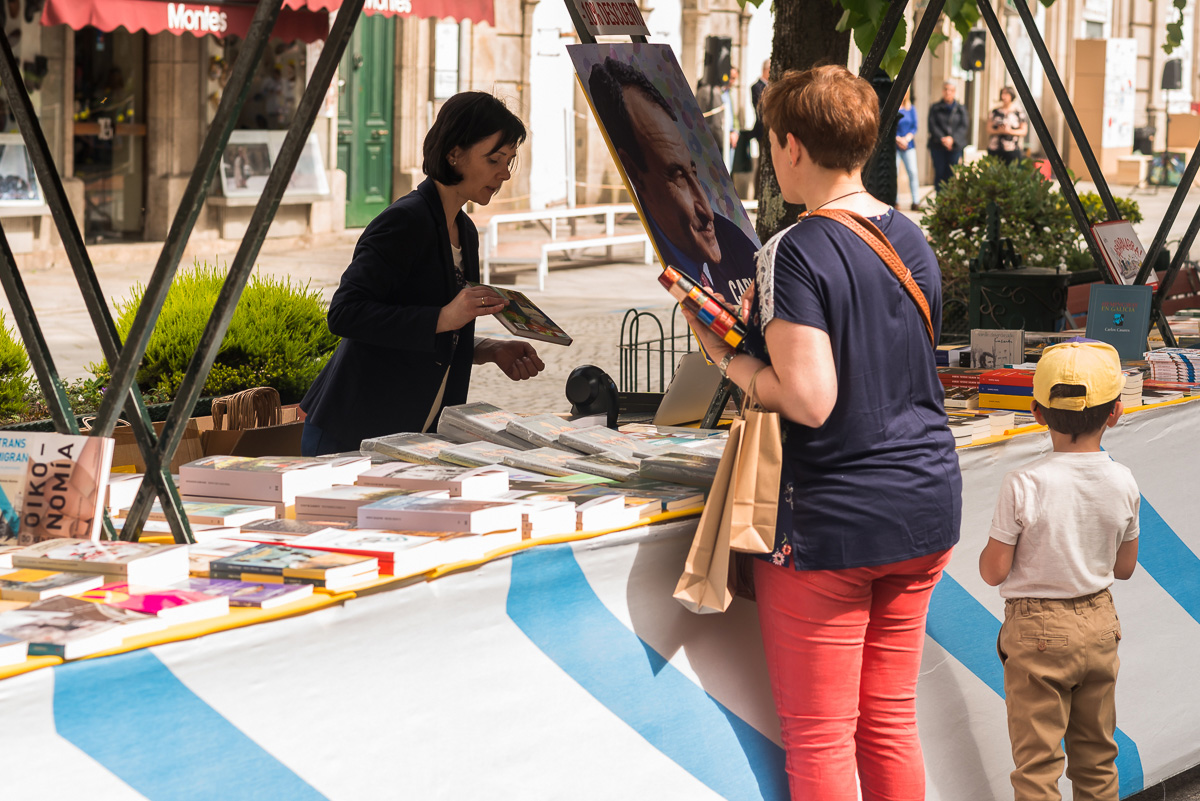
{"x":1067,"y":513}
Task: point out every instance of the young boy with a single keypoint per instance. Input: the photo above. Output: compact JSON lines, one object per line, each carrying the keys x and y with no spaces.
{"x":1064,"y":527}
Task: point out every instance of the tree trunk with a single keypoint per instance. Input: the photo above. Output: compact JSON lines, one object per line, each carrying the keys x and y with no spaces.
{"x":805,"y":36}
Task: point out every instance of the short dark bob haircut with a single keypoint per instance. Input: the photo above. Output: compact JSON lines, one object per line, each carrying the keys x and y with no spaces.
{"x":466,"y":119}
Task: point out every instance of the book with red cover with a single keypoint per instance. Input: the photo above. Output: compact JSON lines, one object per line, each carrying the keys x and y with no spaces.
{"x":1006,"y":376}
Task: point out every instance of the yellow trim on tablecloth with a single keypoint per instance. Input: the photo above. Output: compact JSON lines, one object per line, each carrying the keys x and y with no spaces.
{"x":29,"y":665}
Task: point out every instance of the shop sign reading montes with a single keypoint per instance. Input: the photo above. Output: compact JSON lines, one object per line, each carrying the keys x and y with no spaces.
{"x":181,"y":17}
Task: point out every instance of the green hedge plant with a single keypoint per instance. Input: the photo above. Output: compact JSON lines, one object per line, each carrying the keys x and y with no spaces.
{"x":277,"y":338}
{"x":15,"y":380}
{"x":1033,"y":214}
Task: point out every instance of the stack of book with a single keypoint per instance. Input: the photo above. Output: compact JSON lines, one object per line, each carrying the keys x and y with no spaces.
{"x":216,"y":514}
{"x":469,"y":422}
{"x":172,"y":605}
{"x":967,"y":430}
{"x":550,"y":461}
{"x":966,"y":377}
{"x":34,"y":585}
{"x":952,"y":355}
{"x":407,"y":447}
{"x":1006,"y":388}
{"x":1131,"y":395}
{"x":693,"y":470}
{"x":998,"y":422}
{"x":341,"y":504}
{"x":70,"y":628}
{"x":459,"y":482}
{"x":1174,"y":364}
{"x":416,"y":513}
{"x":961,"y":398}
{"x":287,"y":565}
{"x":132,"y":562}
{"x":249,"y":594}
{"x":272,"y":480}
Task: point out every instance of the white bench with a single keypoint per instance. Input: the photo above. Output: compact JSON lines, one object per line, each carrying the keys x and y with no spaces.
{"x":609,"y":240}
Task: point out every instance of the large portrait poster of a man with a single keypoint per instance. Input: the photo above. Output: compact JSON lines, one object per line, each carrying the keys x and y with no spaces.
{"x":670,"y":162}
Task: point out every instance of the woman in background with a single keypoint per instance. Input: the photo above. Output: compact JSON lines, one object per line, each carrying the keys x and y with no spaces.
{"x":1007,"y":125}
{"x":906,"y":149}
{"x":404,"y":309}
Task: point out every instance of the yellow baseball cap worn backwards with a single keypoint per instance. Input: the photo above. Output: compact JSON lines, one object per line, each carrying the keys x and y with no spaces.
{"x":1094,"y":365}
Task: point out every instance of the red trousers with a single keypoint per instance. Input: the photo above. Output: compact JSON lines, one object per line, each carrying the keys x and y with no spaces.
{"x":843,"y":649}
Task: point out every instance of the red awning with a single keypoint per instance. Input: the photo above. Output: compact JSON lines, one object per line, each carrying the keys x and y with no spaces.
{"x":475,"y":10}
{"x":299,"y":20}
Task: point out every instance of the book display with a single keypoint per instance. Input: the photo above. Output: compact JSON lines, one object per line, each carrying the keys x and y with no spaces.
{"x":52,"y":485}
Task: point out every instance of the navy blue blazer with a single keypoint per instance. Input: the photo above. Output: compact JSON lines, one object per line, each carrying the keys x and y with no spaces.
{"x":385,"y":374}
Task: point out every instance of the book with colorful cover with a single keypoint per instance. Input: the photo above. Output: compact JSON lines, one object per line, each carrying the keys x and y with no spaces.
{"x":286,"y":564}
{"x":257,"y":595}
{"x":409,"y":447}
{"x":459,"y":482}
{"x":52,"y":485}
{"x":1120,"y":316}
{"x":521,"y":316}
{"x":400,"y":553}
{"x":34,"y":585}
{"x":70,"y":628}
{"x":1122,"y":250}
{"x":135,"y":562}
{"x":718,"y":317}
{"x":202,"y":554}
{"x":170,"y":605}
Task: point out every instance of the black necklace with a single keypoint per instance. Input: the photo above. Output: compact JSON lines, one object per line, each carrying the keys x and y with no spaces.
{"x":804,"y":214}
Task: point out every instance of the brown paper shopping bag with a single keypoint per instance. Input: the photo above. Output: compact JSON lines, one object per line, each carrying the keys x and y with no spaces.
{"x":754,"y":489}
{"x":704,"y":585}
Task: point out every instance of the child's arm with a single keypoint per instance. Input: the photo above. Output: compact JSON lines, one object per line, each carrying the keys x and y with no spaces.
{"x":995,"y":562}
{"x":1126,"y":559}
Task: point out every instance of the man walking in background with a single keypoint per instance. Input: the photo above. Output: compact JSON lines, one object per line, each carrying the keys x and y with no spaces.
{"x":947,"y":133}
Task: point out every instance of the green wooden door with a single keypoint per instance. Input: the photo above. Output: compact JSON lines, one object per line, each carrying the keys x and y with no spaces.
{"x":365,"y":119}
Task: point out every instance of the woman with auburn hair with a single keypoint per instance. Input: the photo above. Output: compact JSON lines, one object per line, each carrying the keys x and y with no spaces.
{"x":870,"y":491}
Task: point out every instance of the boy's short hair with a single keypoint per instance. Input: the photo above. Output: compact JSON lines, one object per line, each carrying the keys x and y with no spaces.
{"x":833,"y":112}
{"x":1077,"y":384}
{"x":1076,"y":423}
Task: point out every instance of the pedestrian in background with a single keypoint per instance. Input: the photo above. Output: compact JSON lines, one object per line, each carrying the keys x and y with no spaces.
{"x":1006,"y":126}
{"x":906,"y":147}
{"x":947,"y":133}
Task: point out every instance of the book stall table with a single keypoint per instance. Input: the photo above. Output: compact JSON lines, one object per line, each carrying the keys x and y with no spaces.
{"x":568,"y":671}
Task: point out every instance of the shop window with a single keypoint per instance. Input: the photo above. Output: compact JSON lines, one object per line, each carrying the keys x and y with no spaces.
{"x":275,"y":88}
{"x":110,"y":132}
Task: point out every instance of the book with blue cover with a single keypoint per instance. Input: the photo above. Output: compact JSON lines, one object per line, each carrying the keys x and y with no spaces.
{"x":1120,"y":316}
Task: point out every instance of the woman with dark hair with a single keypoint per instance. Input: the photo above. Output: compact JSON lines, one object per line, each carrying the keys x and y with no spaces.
{"x":870,"y":490}
{"x":404,"y":309}
{"x":1006,"y":126}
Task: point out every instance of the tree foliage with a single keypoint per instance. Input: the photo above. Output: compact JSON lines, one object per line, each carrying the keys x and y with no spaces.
{"x":863,"y":18}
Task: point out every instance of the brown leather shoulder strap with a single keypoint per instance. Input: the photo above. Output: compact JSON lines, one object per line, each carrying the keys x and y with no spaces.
{"x":871,"y":234}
